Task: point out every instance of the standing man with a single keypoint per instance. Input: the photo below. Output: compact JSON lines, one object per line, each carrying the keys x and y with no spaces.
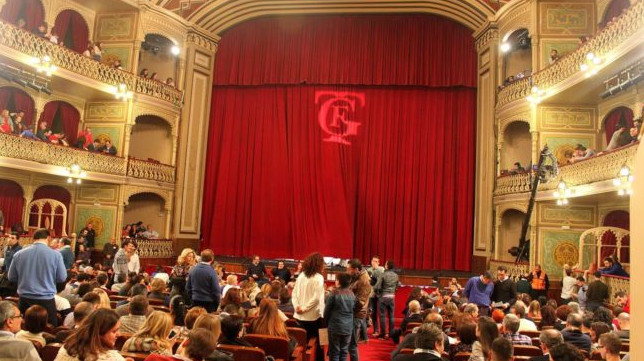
{"x":597,"y":293}
{"x":580,"y":296}
{"x":90,"y":236}
{"x":109,"y":251}
{"x":66,"y":252}
{"x":257,"y":271}
{"x":505,"y":290}
{"x":361,"y":289}
{"x":567,"y":286}
{"x":12,"y":248}
{"x":478,"y":291}
{"x":203,"y":283}
{"x":375,"y":271}
{"x":386,"y":288}
{"x":37,"y":269}
{"x":122,"y":258}
{"x":539,"y":281}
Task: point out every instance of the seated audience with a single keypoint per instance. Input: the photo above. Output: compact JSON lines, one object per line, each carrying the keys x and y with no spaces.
{"x":281,"y":272}
{"x":548,"y":317}
{"x":467,"y":335}
{"x":534,"y":310}
{"x":34,"y":328}
{"x":210,"y":323}
{"x":624,"y":320}
{"x":581,"y":152}
{"x":609,"y":346}
{"x":81,"y":311}
{"x":566,"y":352}
{"x":562,"y":313}
{"x":178,"y":309}
{"x":153,"y":337}
{"x":410,"y":339}
{"x":596,"y":330}
{"x":157,"y":289}
{"x":511,"y":331}
{"x":197,"y":347}
{"x":269,"y":322}
{"x":12,"y":348}
{"x":547,"y":340}
{"x":231,"y":282}
{"x":619,"y":138}
{"x":573,"y":335}
{"x":519,"y":310}
{"x":501,"y":350}
{"x":486,"y":332}
{"x":285,"y":304}
{"x":108,"y":148}
{"x":133,"y":322}
{"x":429,"y":345}
{"x":623,"y":301}
{"x":412,"y":316}
{"x":232,"y":329}
{"x":94,"y":339}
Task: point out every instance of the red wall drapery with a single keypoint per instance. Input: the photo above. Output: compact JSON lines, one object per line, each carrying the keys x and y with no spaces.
{"x":58,"y":193}
{"x":403,"y":189}
{"x":15,"y":100}
{"x":620,"y":219}
{"x":11,"y":202}
{"x":617,"y":115}
{"x":69,"y":118}
{"x":32,"y":11}
{"x":70,"y":25}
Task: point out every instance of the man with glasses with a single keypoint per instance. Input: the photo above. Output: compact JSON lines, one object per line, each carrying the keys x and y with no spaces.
{"x":609,"y":346}
{"x":505,"y":290}
{"x":12,"y":348}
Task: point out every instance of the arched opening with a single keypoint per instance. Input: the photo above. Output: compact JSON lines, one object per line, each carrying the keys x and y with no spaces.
{"x":62,"y":118}
{"x":620,"y":219}
{"x":157,"y":58}
{"x":72,"y":30}
{"x":517,"y":145}
{"x":17,"y":100}
{"x":614,"y":10}
{"x":517,"y":56}
{"x":616,"y":126}
{"x":151,"y":139}
{"x":148,"y":208}
{"x":12,"y":203}
{"x":58,"y":193}
{"x":49,"y":214}
{"x":509,"y":232}
{"x":26,"y":14}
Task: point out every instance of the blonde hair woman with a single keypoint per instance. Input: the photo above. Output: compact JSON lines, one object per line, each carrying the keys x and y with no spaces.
{"x":153,"y":336}
{"x":534,"y":310}
{"x":105,"y":298}
{"x":179,"y":274}
{"x":269,"y":322}
{"x":211,"y":323}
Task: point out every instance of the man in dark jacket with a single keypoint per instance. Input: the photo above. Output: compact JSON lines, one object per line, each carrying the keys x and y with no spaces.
{"x":257,"y":271}
{"x":597,"y":293}
{"x":573,"y":335}
{"x":13,"y":247}
{"x":66,"y":252}
{"x":410,"y":340}
{"x":361,"y":288}
{"x":505,"y":290}
{"x":428,"y":345}
{"x":203,"y":283}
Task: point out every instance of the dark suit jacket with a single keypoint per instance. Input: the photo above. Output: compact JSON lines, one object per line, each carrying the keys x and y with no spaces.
{"x":417,"y":357}
{"x":577,"y":339}
{"x":541,"y":358}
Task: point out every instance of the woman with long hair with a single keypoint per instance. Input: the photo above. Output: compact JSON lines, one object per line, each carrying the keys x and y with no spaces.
{"x":94,"y":339}
{"x":269,"y":322}
{"x":153,"y":337}
{"x":534,"y":310}
{"x":105,"y":298}
{"x":548,"y":317}
{"x":308,"y":298}
{"x":486,"y":332}
{"x":211,"y":323}
{"x":179,"y":274}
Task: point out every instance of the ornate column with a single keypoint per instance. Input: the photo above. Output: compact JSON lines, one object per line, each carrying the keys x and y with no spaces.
{"x":535,"y":146}
{"x":497,"y":233}
{"x":499,"y":155}
{"x":487,"y":41}
{"x":168,"y":221}
{"x":193,"y":135}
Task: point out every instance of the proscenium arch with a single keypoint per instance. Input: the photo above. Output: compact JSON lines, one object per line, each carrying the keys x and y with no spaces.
{"x":217,"y":16}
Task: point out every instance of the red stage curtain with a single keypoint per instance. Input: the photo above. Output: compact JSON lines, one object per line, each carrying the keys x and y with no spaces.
{"x":69,"y":119}
{"x":15,"y":99}
{"x":11,"y":202}
{"x":72,"y":29}
{"x":58,"y":193}
{"x":403,"y":189}
{"x":616,"y":116}
{"x":614,"y":10}
{"x":352,"y":49}
{"x":31,"y":11}
{"x":622,"y":220}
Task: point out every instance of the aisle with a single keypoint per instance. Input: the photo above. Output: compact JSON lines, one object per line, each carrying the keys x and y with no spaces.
{"x":376,"y":350}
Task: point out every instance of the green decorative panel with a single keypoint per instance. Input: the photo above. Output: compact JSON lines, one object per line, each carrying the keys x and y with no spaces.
{"x":567,"y":18}
{"x":122,"y":52}
{"x":103,"y":218}
{"x":562,"y":144}
{"x":106,"y":111}
{"x":112,"y":133}
{"x":563,"y":47}
{"x":116,"y":27}
{"x":559,"y":247}
{"x":567,"y":215}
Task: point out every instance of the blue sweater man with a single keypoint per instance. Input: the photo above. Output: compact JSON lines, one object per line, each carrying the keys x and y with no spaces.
{"x":203,"y":283}
{"x":478,"y":291}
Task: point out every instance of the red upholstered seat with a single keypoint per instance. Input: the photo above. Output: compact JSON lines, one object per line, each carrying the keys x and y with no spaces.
{"x":520,"y":350}
{"x":462,"y":356}
{"x":274,"y":346}
{"x":243,"y":353}
{"x":49,"y":352}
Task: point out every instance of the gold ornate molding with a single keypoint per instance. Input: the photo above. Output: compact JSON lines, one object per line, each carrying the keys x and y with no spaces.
{"x":616,"y":284}
{"x":34,"y":46}
{"x":155,"y":248}
{"x":515,"y":270}
{"x":149,"y":170}
{"x":129,"y":191}
{"x":489,"y":36}
{"x":609,"y":39}
{"x":203,"y":41}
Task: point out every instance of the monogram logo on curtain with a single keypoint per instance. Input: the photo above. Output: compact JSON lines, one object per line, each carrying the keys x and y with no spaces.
{"x":336,"y":114}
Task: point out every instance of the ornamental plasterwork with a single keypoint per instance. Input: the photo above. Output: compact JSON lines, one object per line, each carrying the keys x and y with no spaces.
{"x":601,"y":9}
{"x":153,"y":22}
{"x":521,"y":117}
{"x":517,"y":206}
{"x":203,"y":41}
{"x":170,"y":120}
{"x":489,"y":36}
{"x":62,"y":5}
{"x":129,"y":191}
{"x":604,"y":211}
{"x":518,"y":19}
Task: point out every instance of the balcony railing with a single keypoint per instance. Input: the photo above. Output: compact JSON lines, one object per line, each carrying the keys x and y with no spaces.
{"x":605,"y":166}
{"x":46,"y":153}
{"x":35,"y":46}
{"x":616,"y":284}
{"x":515,"y":270}
{"x":607,"y":40}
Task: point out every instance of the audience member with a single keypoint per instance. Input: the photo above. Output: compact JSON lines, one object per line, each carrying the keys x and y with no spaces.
{"x":197,"y":347}
{"x":547,"y":340}
{"x":13,"y":246}
{"x":34,"y":327}
{"x":613,"y":268}
{"x":203,"y":283}
{"x":597,"y":293}
{"x":429,"y":345}
{"x":573,"y":335}
{"x":554,"y":56}
{"x":133,"y":322}
{"x":281,"y":272}
{"x":467,"y":336}
{"x":257,"y":271}
{"x":566,"y":352}
{"x":501,"y":350}
{"x":386,"y":286}
{"x":548,"y":317}
{"x":153,"y":337}
{"x":361,"y":288}
{"x":268,"y":322}
{"x":486,"y":332}
{"x":519,"y":309}
{"x":122,"y":257}
{"x":210,"y":323}
{"x":232,"y":328}
{"x":12,"y":348}
{"x":622,"y":300}
{"x":94,"y":339}
{"x":511,"y":331}
{"x":609,"y":346}
{"x":339,"y":313}
{"x":308,"y":298}
{"x":478,"y":291}
{"x":624,"y":333}
{"x":505,"y":289}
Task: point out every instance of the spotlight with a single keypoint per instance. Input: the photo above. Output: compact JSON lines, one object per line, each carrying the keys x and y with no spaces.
{"x":175,"y":50}
{"x":505,"y":47}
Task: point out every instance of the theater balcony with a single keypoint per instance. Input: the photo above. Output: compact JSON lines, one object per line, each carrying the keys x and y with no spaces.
{"x":41,"y":157}
{"x":23,"y":46}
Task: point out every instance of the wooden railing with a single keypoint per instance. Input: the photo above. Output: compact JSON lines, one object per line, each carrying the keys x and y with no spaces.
{"x":616,"y":284}
{"x":610,"y":38}
{"x":515,"y":270}
{"x":35,"y":46}
{"x":47,"y":153}
{"x":605,"y":166}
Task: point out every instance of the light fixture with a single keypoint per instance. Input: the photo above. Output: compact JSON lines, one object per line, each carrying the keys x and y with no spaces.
{"x":591,"y":65}
{"x":505,"y":47}
{"x":624,"y":181}
{"x":536,"y":95}
{"x":44,"y":65}
{"x":175,"y":50}
{"x":121,"y":92}
{"x":562,"y":193}
{"x":74,"y":174}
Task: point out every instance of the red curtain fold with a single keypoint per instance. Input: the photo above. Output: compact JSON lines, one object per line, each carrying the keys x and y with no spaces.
{"x":11,"y":202}
{"x":403,"y":189}
{"x":614,"y":10}
{"x":69,"y":117}
{"x":17,"y":100}
{"x":615,"y":117}
{"x":11,"y":11}
{"x":422,"y":50}
{"x":58,"y":193}
{"x":31,"y":11}
{"x":620,"y":219}
{"x":71,"y":25}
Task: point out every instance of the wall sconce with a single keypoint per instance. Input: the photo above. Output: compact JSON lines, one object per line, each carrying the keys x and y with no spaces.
{"x":624,"y":181}
{"x":121,"y":92}
{"x":44,"y":65}
{"x":562,"y":193}
{"x":74,"y":174}
{"x":536,"y":95}
{"x":591,"y":66}
{"x":505,"y":47}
